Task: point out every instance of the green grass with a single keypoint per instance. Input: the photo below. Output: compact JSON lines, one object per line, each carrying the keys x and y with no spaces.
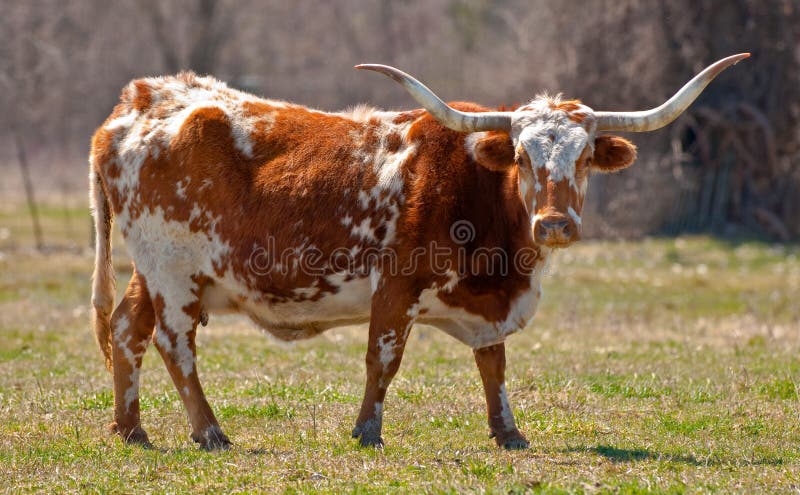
{"x":658,"y":366}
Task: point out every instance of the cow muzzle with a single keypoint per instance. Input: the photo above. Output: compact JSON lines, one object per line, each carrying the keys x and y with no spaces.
{"x":555,"y":231}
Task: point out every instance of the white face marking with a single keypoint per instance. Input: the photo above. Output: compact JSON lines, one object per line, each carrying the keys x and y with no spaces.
{"x":505,"y":411}
{"x":557,"y":156}
{"x":552,"y":140}
{"x":575,"y":217}
{"x":524,"y":190}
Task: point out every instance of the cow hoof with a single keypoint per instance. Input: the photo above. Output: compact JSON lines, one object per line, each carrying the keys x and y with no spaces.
{"x":368,"y":433}
{"x":516,"y":444}
{"x":512,"y":440}
{"x":131,"y":436}
{"x":370,"y":441}
{"x":366,"y":441}
{"x":212,"y":438}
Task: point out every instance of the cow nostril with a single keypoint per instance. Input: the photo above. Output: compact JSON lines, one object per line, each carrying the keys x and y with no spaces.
{"x":555,"y":230}
{"x":559,"y":225}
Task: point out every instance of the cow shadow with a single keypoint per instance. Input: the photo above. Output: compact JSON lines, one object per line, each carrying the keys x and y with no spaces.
{"x":619,"y":455}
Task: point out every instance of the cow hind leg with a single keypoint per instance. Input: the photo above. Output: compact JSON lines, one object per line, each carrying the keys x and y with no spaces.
{"x":132,"y":324}
{"x":176,"y":325}
{"x":491,"y":363}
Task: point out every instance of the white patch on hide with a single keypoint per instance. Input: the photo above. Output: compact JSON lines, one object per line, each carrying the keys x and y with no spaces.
{"x":470,"y":141}
{"x":123,"y":342}
{"x":364,"y":230}
{"x":386,"y":344}
{"x":168,"y":254}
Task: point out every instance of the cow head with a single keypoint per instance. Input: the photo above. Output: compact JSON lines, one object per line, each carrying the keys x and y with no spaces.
{"x":556,"y":143}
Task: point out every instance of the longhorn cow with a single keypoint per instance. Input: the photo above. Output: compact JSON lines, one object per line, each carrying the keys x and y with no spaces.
{"x":306,"y":220}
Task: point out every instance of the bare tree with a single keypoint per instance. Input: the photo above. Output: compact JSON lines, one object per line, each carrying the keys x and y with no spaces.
{"x":189,"y":34}
{"x":29,"y":60}
{"x":732,"y":160}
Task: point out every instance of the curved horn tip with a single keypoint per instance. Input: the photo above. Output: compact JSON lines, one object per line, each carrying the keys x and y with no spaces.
{"x":375,"y":67}
{"x":734,"y":59}
{"x":386,"y":70}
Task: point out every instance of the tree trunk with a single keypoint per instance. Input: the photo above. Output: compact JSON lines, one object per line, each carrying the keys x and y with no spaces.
{"x":22,"y":159}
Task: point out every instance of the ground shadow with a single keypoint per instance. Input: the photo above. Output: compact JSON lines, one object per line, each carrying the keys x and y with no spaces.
{"x":618,"y":455}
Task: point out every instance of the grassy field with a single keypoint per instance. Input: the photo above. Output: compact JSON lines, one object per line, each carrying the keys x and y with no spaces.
{"x":665,"y":365}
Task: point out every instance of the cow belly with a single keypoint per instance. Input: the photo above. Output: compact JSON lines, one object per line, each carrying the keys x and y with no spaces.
{"x":474,"y":332}
{"x":473,"y":329}
{"x":470,"y":329}
{"x":295,"y":320}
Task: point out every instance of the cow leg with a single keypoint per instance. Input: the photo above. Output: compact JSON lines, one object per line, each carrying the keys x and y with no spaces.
{"x":491,"y":363}
{"x":132,"y":323}
{"x":176,"y":325}
{"x":390,"y":323}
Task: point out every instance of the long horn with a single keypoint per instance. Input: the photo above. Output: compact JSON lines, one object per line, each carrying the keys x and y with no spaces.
{"x":656,"y":118}
{"x":446,"y":115}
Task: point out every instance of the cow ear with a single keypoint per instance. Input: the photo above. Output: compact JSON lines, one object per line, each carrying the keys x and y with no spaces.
{"x":495,"y":151}
{"x":612,"y":153}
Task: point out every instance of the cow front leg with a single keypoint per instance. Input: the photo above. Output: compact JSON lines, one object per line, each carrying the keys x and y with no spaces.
{"x":132,"y":324}
{"x":176,"y":327}
{"x":390,"y":323}
{"x":491,"y":363}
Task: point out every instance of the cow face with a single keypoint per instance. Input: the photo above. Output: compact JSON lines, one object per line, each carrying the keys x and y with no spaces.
{"x":555,"y":147}
{"x":555,"y":144}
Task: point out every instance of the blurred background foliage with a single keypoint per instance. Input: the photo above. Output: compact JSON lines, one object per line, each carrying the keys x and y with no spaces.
{"x":729,"y":166}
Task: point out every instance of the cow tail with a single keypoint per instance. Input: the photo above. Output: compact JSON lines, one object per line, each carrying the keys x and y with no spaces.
{"x":103,"y":280}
